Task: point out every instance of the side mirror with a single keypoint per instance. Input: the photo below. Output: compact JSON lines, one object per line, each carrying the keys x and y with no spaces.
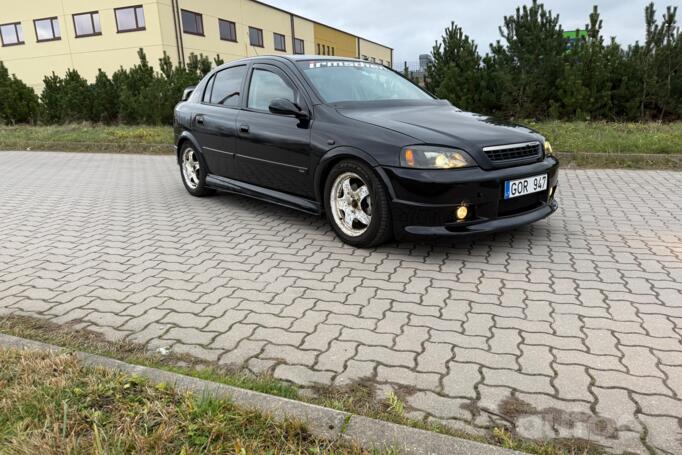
{"x":283,"y":106}
{"x":188,"y":92}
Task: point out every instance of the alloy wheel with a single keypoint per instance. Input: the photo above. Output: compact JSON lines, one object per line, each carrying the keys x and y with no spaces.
{"x":191,"y":168}
{"x":351,"y":204}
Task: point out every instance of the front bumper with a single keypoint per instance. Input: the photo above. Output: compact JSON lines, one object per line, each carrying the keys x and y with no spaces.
{"x":424,"y":202}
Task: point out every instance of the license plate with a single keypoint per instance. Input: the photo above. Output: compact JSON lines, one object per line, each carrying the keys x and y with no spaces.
{"x":521,"y":187}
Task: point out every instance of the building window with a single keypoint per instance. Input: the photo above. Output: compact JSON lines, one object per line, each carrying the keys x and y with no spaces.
{"x":12,"y":34}
{"x":256,"y":37}
{"x":280,"y":42}
{"x":87,"y":24}
{"x":299,"y":46}
{"x":47,"y":29}
{"x":374,"y":60}
{"x":130,"y":19}
{"x":192,"y":23}
{"x":228,"y":30}
{"x":364,"y":57}
{"x":319,"y":52}
{"x":333,"y":51}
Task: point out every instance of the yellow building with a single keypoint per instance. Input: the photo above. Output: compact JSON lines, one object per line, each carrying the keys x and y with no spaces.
{"x":39,"y":37}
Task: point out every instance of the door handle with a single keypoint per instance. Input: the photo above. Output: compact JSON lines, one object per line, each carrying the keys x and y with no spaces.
{"x":200,"y":119}
{"x":244,"y":128}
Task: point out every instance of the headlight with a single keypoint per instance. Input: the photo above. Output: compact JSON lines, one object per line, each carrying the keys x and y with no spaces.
{"x":429,"y":157}
{"x":548,"y":149}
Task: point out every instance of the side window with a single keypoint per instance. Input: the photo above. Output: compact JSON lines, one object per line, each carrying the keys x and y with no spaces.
{"x":227,"y":86}
{"x":267,"y":86}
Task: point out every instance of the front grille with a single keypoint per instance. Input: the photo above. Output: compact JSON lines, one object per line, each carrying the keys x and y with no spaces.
{"x":513,"y":151}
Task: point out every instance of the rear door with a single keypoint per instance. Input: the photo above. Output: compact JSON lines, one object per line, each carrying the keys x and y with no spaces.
{"x":215,"y":122}
{"x":274,"y":150}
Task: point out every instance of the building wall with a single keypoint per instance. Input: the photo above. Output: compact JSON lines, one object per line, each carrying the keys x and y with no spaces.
{"x":344,"y":44}
{"x":305,"y":30}
{"x":381,"y":54}
{"x":109,"y":51}
{"x":112,"y":50}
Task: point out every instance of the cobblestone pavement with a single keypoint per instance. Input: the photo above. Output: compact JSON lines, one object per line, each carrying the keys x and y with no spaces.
{"x":569,"y":328}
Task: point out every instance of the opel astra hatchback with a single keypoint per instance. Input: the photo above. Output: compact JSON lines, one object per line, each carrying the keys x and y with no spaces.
{"x":356,"y":141}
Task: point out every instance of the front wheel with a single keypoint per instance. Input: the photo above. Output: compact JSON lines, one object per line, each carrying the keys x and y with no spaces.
{"x":357,"y":205}
{"x":193,"y":172}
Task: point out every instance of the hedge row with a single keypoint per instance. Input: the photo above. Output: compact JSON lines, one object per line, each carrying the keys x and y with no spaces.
{"x":531,"y":73}
{"x":139,"y":95}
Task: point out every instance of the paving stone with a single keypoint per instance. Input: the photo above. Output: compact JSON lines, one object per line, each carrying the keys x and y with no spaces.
{"x":516,"y":380}
{"x":440,"y":407}
{"x":335,"y":357}
{"x":411,"y":338}
{"x":505,"y":341}
{"x":462,"y":379}
{"x":572,"y":382}
{"x":485,"y":358}
{"x":302,"y":375}
{"x":289,"y":354}
{"x":595,"y":286}
{"x":536,"y":360}
{"x":647,"y":385}
{"x":404,"y":376}
{"x":664,"y":435}
{"x":601,"y":342}
{"x":242,"y":352}
{"x":386,"y":356}
{"x":434,"y":357}
{"x":640,"y":361}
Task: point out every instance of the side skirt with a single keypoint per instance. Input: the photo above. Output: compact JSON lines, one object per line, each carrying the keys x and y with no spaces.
{"x":263,"y":194}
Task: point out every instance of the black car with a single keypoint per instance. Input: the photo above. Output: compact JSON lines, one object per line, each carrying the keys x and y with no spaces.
{"x":355,"y":140}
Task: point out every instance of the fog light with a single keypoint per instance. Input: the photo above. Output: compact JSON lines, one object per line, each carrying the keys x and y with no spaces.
{"x":462,"y":213}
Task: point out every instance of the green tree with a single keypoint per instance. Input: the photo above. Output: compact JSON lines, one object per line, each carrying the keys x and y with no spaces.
{"x":455,"y":72}
{"x":533,"y":60}
{"x":105,"y":103}
{"x":585,"y":87}
{"x":18,"y":101}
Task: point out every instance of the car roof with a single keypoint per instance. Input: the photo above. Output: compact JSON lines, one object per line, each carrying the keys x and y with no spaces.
{"x":291,"y":58}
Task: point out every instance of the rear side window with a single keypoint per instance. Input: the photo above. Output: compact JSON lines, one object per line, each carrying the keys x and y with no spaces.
{"x":225,"y":87}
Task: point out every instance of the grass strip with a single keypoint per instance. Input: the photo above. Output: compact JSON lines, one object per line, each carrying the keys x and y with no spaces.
{"x":52,"y":404}
{"x":358,"y":398}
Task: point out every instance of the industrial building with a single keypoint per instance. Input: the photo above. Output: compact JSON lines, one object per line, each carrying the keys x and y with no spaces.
{"x":39,"y":37}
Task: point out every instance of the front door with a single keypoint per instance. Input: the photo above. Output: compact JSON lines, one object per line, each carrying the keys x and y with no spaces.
{"x":273,"y":151}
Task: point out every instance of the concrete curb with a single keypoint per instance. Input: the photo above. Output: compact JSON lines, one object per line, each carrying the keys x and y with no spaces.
{"x":323,"y":422}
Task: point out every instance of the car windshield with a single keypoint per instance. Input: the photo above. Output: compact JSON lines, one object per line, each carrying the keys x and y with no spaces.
{"x":347,"y":80}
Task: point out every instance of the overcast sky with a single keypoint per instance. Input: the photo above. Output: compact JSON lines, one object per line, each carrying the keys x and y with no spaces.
{"x":412,"y":26}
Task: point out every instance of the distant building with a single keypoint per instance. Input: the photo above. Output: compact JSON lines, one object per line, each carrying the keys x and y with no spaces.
{"x":42,"y":36}
{"x":573,"y":38}
{"x":417,"y":70}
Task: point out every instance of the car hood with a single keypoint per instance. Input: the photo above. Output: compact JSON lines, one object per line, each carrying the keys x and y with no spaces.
{"x":439,"y":123}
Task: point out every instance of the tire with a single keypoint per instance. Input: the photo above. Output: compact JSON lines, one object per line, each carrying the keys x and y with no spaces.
{"x":360,"y":217}
{"x":193,"y":171}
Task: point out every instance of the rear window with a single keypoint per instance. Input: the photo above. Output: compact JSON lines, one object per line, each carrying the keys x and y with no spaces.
{"x":349,"y":80}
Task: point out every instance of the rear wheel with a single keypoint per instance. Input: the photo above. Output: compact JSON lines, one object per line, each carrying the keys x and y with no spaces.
{"x":193,"y":171}
{"x":357,"y":205}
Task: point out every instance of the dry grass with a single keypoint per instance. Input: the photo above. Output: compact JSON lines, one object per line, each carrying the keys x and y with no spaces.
{"x":51,"y":404}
